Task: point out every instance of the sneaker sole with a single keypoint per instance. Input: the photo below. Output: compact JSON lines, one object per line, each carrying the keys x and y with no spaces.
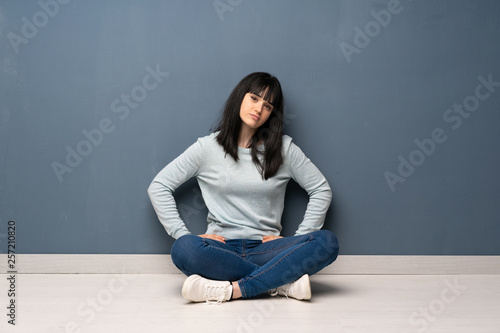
{"x":187,"y":285}
{"x":307,"y":295}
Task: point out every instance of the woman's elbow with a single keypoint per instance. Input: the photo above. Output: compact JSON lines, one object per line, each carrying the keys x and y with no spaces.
{"x":152,"y":189}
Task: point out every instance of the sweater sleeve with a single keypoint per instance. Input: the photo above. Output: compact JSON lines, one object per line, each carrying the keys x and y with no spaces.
{"x":308,"y":176}
{"x":160,"y":192}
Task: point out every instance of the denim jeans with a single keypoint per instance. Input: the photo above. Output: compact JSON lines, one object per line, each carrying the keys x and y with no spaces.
{"x":256,"y":266}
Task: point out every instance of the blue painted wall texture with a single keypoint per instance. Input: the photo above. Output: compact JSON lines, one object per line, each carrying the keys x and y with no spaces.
{"x":397,"y":102}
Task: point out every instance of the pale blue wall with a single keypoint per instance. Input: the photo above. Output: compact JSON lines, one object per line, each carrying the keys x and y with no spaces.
{"x":362,"y":79}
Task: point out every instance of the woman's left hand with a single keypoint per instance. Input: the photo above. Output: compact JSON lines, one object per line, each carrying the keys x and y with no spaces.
{"x":269,"y":238}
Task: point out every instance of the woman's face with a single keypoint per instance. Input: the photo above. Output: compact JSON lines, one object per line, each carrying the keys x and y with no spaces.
{"x":254,"y":111}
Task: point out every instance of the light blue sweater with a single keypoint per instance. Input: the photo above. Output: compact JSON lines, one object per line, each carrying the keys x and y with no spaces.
{"x":241,"y":204}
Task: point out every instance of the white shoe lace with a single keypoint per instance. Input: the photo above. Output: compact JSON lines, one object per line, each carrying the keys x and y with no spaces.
{"x":216,"y":294}
{"x":273,"y":292}
{"x":299,"y":289}
{"x":284,"y":289}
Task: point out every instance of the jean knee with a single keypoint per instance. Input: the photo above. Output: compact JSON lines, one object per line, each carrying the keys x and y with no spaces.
{"x":182,"y":246}
{"x":329,"y":243}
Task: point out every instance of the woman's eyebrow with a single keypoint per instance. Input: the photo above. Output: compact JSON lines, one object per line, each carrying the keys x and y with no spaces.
{"x":264,"y":99}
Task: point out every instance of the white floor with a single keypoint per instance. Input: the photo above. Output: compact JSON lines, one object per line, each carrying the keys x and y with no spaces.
{"x":55,"y":303}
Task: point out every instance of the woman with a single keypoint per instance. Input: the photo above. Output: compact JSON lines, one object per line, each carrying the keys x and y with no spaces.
{"x":242,"y":170}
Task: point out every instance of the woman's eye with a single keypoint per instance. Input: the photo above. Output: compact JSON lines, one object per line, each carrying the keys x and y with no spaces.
{"x":268,"y":107}
{"x":253,"y":98}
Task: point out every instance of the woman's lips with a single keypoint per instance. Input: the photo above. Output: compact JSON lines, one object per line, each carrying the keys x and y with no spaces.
{"x":255,"y":117}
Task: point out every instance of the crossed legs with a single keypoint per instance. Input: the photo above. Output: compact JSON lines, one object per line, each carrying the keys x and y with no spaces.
{"x":254,"y":267}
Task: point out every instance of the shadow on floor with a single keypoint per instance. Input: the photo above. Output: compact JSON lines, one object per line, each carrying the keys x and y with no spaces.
{"x":327,"y":289}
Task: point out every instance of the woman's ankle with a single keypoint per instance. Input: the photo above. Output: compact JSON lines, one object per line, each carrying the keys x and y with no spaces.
{"x":236,"y":290}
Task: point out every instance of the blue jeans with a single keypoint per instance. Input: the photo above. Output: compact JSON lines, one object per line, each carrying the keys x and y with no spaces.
{"x":256,"y":266}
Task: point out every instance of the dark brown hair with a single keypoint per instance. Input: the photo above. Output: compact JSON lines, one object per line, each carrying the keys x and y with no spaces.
{"x":270,"y":134}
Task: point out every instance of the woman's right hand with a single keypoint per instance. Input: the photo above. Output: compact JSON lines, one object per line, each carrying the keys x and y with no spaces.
{"x":214,"y":237}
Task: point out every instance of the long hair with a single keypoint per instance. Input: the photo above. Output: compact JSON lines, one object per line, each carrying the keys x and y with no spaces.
{"x":270,"y":134}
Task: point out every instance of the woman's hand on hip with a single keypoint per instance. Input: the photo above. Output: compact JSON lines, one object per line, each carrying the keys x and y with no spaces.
{"x":269,"y":238}
{"x":214,"y":237}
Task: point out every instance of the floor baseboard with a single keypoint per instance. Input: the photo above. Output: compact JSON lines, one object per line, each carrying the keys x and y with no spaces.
{"x":162,"y":264}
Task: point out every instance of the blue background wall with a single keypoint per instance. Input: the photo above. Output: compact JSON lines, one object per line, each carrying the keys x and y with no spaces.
{"x":363,"y":80}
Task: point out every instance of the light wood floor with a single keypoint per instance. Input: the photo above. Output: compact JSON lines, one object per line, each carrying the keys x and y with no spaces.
{"x":54,"y":303}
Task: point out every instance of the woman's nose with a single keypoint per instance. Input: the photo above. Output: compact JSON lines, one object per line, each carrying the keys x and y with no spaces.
{"x":259,"y":107}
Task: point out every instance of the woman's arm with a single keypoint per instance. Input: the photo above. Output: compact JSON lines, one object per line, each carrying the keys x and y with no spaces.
{"x":308,"y":176}
{"x":161,"y":190}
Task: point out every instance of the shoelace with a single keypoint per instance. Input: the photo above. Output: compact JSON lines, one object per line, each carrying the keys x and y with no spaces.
{"x":285,"y":291}
{"x":215,"y":294}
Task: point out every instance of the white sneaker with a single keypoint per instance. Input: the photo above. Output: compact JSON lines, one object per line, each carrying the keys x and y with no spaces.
{"x":299,"y":289}
{"x":199,"y":289}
